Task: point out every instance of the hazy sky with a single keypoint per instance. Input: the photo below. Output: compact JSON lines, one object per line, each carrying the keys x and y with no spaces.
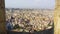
{"x":49,"y":4}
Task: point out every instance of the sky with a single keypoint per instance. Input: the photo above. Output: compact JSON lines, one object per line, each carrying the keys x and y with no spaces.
{"x":42,"y":4}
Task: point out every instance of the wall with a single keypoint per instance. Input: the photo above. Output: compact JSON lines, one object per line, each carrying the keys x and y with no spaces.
{"x":2,"y":17}
{"x":57,"y":18}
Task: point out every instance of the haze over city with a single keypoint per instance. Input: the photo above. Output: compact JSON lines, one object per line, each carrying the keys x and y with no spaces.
{"x":41,"y":4}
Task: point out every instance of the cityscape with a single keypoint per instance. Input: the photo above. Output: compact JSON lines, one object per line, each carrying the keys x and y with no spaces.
{"x":29,"y":20}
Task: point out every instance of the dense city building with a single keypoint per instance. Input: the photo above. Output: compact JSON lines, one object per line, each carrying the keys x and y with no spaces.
{"x":29,"y":20}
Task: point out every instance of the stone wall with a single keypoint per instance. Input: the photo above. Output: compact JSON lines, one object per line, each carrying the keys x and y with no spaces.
{"x":2,"y":17}
{"x":57,"y":18}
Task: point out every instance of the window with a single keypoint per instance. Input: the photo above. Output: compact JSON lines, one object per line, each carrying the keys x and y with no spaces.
{"x":30,"y":15}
